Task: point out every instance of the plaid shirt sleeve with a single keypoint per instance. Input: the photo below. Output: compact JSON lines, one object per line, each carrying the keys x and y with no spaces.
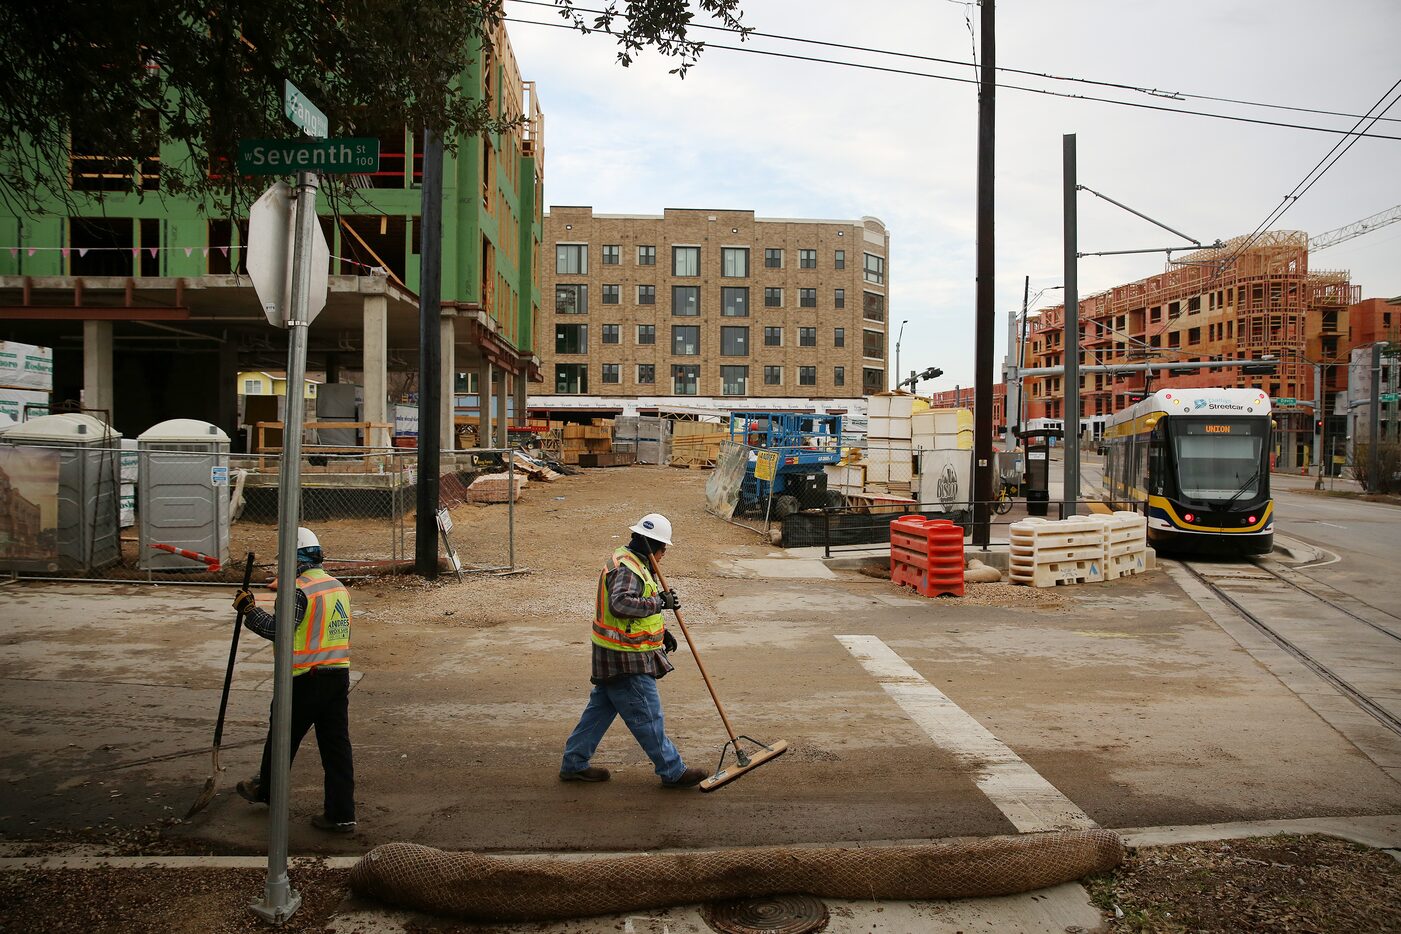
{"x":625,"y":595}
{"x":263,"y":623}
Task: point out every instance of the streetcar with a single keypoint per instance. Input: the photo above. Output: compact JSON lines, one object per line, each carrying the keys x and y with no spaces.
{"x":1197,"y":460}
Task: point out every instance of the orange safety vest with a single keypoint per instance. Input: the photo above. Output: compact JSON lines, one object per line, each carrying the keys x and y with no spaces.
{"x":323,"y":633}
{"x":626,"y":635}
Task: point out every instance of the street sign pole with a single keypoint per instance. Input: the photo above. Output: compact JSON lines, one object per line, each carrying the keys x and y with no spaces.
{"x":280,"y":900}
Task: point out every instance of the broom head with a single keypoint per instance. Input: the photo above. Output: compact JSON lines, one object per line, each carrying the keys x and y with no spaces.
{"x":724,"y":776}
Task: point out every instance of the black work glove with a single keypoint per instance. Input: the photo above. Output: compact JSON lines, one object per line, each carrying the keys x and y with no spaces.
{"x":244,"y":600}
{"x":668,"y":641}
{"x":669,"y":600}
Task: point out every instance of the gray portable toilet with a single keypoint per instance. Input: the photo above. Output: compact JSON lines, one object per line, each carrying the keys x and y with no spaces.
{"x":178,"y":501}
{"x":83,"y":455}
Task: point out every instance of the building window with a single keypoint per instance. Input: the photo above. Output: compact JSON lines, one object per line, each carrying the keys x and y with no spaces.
{"x":873,"y":344}
{"x":646,"y":373}
{"x":734,"y":302}
{"x":646,"y":256}
{"x":839,"y":337}
{"x":875,"y":269}
{"x":734,"y":380}
{"x":612,"y":254}
{"x":773,"y":337}
{"x":252,"y":387}
{"x":734,"y":342}
{"x":773,"y":298}
{"x":571,"y":299}
{"x":685,"y":379}
{"x":839,"y":298}
{"x":646,"y":333}
{"x":838,"y":376}
{"x":807,"y":259}
{"x":611,"y":373}
{"x":1194,"y":335}
{"x":840,"y":261}
{"x":773,"y":258}
{"x":734,"y":262}
{"x":646,"y":295}
{"x":612,"y":334}
{"x":571,"y":338}
{"x":872,"y":380}
{"x":685,"y":300}
{"x":873,"y":306}
{"x":807,"y":337}
{"x":571,"y":259}
{"x":773,"y":376}
{"x":571,"y":378}
{"x":685,"y":340}
{"x":685,"y":261}
{"x":610,"y":295}
{"x":807,"y":298}
{"x":807,"y":376}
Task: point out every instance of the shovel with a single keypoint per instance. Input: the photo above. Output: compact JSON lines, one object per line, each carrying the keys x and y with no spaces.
{"x":207,"y":795}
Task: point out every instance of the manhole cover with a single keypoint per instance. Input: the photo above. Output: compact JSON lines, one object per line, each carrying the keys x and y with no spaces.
{"x":777,"y":914}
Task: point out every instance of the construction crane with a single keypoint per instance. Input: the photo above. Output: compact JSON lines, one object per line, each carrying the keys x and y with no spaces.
{"x":1356,"y":229}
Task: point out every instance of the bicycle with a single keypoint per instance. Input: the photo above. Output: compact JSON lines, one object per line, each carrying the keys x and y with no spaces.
{"x":1004,"y":501}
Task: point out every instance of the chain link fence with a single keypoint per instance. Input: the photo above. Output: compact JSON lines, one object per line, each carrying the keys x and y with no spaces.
{"x":102,"y":512}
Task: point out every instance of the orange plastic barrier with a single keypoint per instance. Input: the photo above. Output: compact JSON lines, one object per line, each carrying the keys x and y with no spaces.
{"x":927,"y":554}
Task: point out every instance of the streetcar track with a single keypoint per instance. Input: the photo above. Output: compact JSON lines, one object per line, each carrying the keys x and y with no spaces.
{"x":1371,"y":707}
{"x":1337,"y":606}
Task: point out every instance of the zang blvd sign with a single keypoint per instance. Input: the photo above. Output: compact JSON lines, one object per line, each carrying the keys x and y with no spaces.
{"x":327,"y":156}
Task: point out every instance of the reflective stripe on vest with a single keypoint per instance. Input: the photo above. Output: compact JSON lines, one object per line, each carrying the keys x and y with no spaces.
{"x":323,"y":633}
{"x":626,"y":635}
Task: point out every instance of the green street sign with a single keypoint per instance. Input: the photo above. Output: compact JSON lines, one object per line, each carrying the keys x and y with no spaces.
{"x":303,"y":112}
{"x":1286,"y":401}
{"x":328,"y":156}
{"x":1389,"y":396}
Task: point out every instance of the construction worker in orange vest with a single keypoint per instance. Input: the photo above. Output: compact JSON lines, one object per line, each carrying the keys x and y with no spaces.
{"x":320,"y":683}
{"x":630,"y":646}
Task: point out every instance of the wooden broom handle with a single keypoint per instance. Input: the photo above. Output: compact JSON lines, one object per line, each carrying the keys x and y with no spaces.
{"x":661,"y":579}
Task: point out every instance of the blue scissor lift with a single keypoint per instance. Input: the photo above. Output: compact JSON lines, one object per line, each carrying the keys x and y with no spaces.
{"x":805,"y":444}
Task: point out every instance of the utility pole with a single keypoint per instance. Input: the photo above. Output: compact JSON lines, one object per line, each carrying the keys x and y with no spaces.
{"x":429,"y":358}
{"x":1374,"y":448}
{"x":1318,"y":416}
{"x":1071,"y":482}
{"x":986,"y":316}
{"x":898,"y":339}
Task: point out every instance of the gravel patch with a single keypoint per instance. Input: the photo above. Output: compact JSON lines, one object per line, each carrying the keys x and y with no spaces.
{"x":1284,"y":883}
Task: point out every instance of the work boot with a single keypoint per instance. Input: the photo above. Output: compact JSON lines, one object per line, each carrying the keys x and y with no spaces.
{"x":689,"y":779}
{"x":322,"y":822}
{"x":251,"y":790}
{"x":591,"y":774}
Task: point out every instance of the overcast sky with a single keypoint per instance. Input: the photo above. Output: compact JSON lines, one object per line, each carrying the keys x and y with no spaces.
{"x":803,"y":139}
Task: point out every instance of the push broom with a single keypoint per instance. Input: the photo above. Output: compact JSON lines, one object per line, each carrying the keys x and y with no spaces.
{"x":744,"y":761}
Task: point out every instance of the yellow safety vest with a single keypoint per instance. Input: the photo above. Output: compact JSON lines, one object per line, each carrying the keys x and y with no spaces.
{"x":627,"y":635}
{"x":323,"y":634}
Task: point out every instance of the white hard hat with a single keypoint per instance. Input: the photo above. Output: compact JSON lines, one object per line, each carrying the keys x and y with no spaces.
{"x":307,"y":539}
{"x":655,"y":526}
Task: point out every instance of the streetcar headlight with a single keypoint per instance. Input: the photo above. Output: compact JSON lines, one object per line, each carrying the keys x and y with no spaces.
{"x":1188,"y":517}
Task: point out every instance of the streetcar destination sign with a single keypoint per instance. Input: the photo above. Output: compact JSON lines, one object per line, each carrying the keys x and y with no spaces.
{"x":284,"y":156}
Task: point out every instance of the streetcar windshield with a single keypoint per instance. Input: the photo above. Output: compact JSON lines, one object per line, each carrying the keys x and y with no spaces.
{"x":1219,"y":459}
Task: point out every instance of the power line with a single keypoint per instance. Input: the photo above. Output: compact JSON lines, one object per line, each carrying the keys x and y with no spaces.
{"x":1010,"y":87}
{"x":1155,"y":92}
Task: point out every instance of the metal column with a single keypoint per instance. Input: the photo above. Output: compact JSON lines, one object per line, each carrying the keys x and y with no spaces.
{"x":1070,"y":494}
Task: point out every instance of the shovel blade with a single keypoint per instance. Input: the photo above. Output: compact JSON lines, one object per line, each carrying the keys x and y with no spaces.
{"x":202,"y":802}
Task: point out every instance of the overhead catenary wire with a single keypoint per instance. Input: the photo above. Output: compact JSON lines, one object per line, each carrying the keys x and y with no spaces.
{"x":1049,"y":76}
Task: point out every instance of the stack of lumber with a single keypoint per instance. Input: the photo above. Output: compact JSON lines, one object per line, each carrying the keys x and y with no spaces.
{"x":888,"y":454}
{"x":578,"y":440}
{"x":496,"y":488}
{"x":695,"y":444}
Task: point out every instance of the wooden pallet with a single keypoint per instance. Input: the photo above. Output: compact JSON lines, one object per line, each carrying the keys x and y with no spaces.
{"x":690,"y":464}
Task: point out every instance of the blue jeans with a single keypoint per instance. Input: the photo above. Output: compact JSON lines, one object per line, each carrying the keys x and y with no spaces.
{"x":634,"y":698}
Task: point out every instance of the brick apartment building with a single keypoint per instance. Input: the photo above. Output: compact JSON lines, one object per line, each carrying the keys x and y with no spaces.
{"x":1215,"y":304}
{"x":704,"y":308}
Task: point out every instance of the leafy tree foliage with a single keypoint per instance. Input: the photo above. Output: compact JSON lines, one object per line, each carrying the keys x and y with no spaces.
{"x":123,"y":77}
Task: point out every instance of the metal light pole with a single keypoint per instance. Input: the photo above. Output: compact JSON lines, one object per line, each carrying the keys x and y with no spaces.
{"x":1374,"y":447}
{"x":1071,"y":482}
{"x":280,"y":900}
{"x":898,"y":339}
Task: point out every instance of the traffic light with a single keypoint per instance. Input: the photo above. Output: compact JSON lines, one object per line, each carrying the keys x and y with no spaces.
{"x":932,"y":373}
{"x":1318,"y":426}
{"x":1260,"y":368}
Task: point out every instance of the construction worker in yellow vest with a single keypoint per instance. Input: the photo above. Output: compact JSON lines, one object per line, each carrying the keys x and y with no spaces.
{"x":630,"y":646}
{"x":320,"y":683}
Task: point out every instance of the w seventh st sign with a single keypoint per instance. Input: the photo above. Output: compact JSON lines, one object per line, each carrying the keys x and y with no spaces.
{"x":328,"y":156}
